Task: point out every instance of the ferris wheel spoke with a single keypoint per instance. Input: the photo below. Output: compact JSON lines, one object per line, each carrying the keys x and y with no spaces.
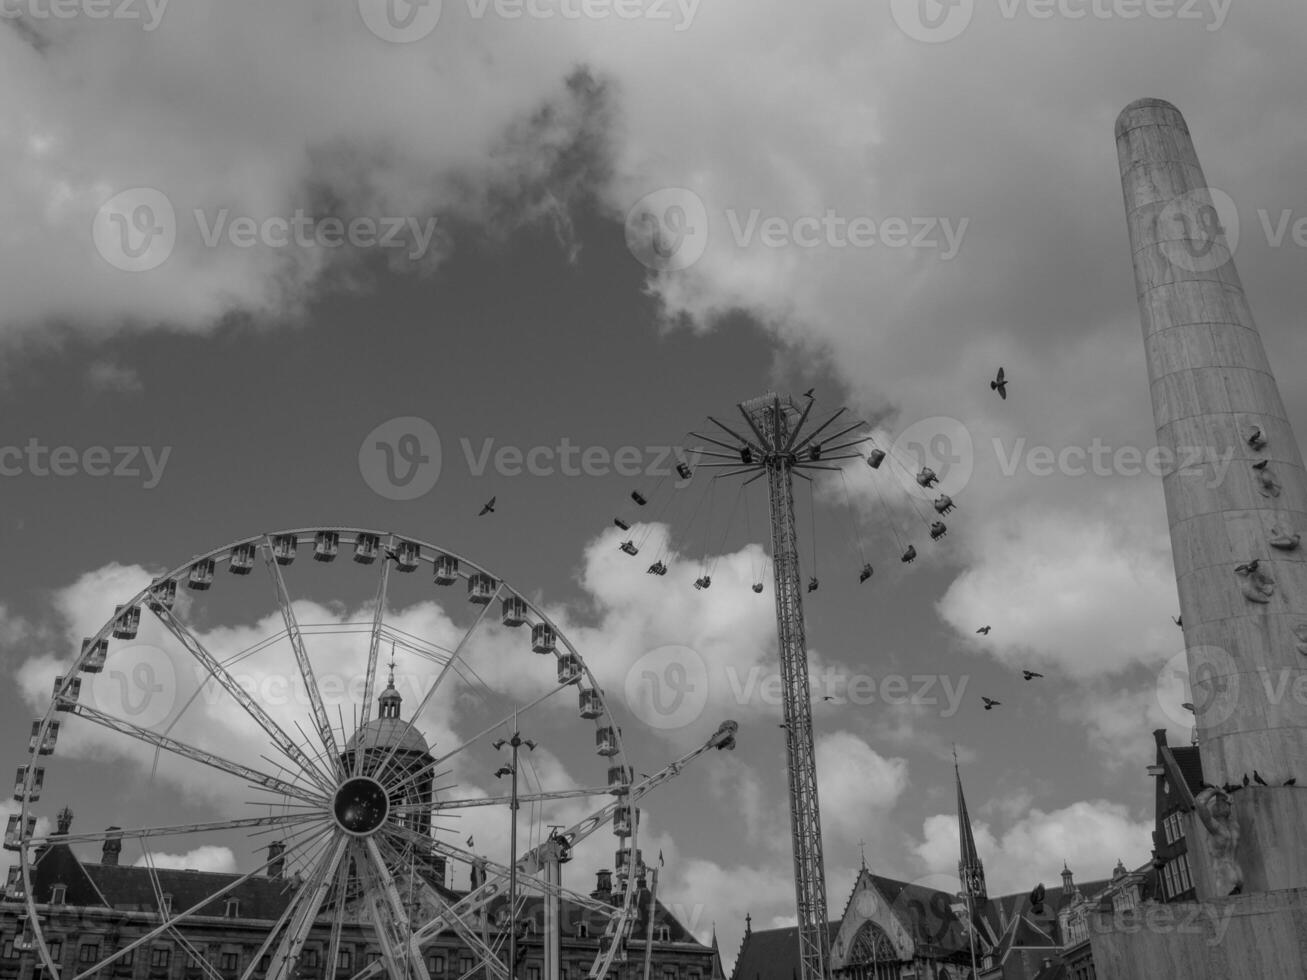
{"x":391,"y":916}
{"x":460,"y":925}
{"x":374,"y":650}
{"x":309,"y":901}
{"x":431,"y":766}
{"x":444,"y":670}
{"x":544,"y":797}
{"x":178,"y":829}
{"x":337,"y":921}
{"x":158,"y":931}
{"x":320,"y":717}
{"x":524,"y":864}
{"x":194,"y":754}
{"x":274,"y":731}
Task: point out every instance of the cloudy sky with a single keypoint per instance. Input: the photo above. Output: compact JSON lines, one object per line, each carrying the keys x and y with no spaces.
{"x":527,"y":247}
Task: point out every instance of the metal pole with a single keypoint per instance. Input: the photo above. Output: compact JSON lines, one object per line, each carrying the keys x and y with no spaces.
{"x":512,"y":868}
{"x":971,"y":933}
{"x":648,"y":937}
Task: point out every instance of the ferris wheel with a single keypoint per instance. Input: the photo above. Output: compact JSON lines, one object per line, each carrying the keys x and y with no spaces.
{"x":350,"y":813}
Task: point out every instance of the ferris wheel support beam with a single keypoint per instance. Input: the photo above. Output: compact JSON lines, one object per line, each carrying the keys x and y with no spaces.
{"x":397,"y":910}
{"x":374,"y":650}
{"x":326,"y":733}
{"x":490,"y":958}
{"x":192,"y":753}
{"x":219,"y":673}
{"x":285,"y":960}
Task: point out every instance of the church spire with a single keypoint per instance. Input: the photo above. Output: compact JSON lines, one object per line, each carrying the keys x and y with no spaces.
{"x":389,"y":701}
{"x":970,"y":870}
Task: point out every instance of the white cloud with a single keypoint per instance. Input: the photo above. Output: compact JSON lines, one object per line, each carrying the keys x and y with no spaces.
{"x":1089,"y":835}
{"x":204,"y":858}
{"x":111,"y":376}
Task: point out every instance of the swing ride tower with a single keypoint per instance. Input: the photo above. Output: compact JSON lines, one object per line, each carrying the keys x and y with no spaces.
{"x":777,"y":447}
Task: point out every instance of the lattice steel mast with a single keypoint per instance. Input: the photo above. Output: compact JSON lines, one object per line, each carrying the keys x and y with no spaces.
{"x":779,"y":450}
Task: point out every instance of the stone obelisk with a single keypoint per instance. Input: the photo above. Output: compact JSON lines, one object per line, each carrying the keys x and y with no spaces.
{"x":1236,"y":497}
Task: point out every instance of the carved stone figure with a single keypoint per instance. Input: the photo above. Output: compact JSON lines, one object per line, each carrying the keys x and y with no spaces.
{"x":1267,"y":485}
{"x":1216,"y":812}
{"x":1255,"y":582}
{"x":1285,"y":538}
{"x":1300,"y":634}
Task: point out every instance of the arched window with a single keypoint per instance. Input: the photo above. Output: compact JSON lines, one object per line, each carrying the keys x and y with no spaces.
{"x":872,"y":955}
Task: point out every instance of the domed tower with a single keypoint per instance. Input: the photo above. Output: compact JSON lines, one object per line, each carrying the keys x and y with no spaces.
{"x":393,"y":750}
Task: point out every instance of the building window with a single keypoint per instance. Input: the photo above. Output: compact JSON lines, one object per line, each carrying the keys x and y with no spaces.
{"x":233,"y":908}
{"x":664,"y":934}
{"x":1182,"y":872}
{"x":309,"y":958}
{"x":669,"y":973}
{"x":160,"y":956}
{"x":465,"y":964}
{"x":345,"y":960}
{"x":264,"y":962}
{"x":56,"y":949}
{"x":533,"y":973}
{"x":583,"y":930}
{"x":127,"y":959}
{"x":57,"y":894}
{"x":436,"y":963}
{"x":228,"y":961}
{"x":88,"y":953}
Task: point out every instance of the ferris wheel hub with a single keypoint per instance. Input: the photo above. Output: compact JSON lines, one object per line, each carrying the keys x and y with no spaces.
{"x":361,"y":806}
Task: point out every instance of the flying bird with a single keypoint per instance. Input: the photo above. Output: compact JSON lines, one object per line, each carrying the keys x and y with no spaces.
{"x":990,"y":703}
{"x":488,"y":507}
{"x":1030,"y":674}
{"x":999,"y":384}
{"x":1257,"y":778}
{"x":985,"y":630}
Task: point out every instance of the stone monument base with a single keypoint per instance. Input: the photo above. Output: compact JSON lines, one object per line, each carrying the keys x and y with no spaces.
{"x":1261,"y":936}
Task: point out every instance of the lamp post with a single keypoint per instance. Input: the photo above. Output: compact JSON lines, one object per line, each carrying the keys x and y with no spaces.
{"x":514,"y":743}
